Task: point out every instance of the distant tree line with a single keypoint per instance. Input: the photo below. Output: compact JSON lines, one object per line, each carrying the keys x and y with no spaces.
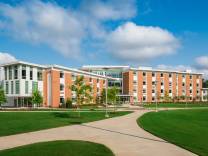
{"x":205,"y":83}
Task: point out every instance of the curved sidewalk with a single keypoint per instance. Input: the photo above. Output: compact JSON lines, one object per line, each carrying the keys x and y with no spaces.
{"x":121,"y":134}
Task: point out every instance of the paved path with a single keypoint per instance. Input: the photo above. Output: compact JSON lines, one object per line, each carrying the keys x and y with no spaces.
{"x":120,"y":134}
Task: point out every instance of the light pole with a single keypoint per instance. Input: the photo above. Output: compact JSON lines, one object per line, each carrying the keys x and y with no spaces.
{"x":106,"y":98}
{"x":186,"y":93}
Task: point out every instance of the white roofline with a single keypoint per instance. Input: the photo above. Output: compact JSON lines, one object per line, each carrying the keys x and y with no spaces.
{"x":102,"y":66}
{"x":22,"y":62}
{"x":168,"y":71}
{"x":81,"y":72}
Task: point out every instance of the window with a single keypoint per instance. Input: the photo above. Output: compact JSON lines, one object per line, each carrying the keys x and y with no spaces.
{"x":7,"y":87}
{"x":144,"y":98}
{"x":17,"y":87}
{"x":15,"y":72}
{"x":197,"y":85}
{"x":40,"y":75}
{"x":153,"y":74}
{"x":153,"y":83}
{"x":161,"y":75}
{"x":144,"y":83}
{"x":190,"y":91}
{"x":90,"y":79}
{"x":144,"y":91}
{"x":153,"y":98}
{"x":62,"y":100}
{"x":26,"y":87}
{"x":23,"y":72}
{"x":153,"y":91}
{"x":170,"y":91}
{"x":97,"y":80}
{"x":170,"y":75}
{"x":61,"y":74}
{"x":5,"y":72}
{"x":190,"y":84}
{"x":190,"y":76}
{"x":134,"y":73}
{"x":162,"y":91}
{"x":162,"y":83}
{"x":34,"y":86}
{"x":183,"y":75}
{"x":103,"y":81}
{"x":98,"y":90}
{"x":12,"y":87}
{"x":183,"y":84}
{"x":31,"y":73}
{"x":61,"y":87}
{"x":10,"y":73}
{"x":73,"y":77}
{"x":144,"y":74}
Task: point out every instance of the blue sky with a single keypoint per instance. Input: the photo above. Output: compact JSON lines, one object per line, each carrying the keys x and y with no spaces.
{"x":158,"y":33}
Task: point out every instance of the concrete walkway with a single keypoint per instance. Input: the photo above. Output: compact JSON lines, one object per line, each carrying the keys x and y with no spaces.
{"x":121,"y":134}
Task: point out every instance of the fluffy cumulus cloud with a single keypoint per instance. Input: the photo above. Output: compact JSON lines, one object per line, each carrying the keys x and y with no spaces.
{"x":202,"y":62}
{"x":110,"y":9}
{"x":6,"y":58}
{"x":136,"y":43}
{"x":46,"y":23}
{"x":68,"y":30}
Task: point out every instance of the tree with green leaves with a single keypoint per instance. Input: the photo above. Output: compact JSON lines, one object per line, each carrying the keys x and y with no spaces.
{"x":167,"y":98}
{"x":83,"y":91}
{"x":2,"y":97}
{"x":37,"y":98}
{"x":111,"y":97}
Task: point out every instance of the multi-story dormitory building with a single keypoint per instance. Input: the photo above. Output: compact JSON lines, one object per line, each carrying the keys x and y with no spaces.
{"x":148,"y":85}
{"x":136,"y":84}
{"x":21,"y":78}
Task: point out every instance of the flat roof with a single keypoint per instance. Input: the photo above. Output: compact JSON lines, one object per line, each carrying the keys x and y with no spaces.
{"x":80,"y":72}
{"x":167,"y":71}
{"x":22,"y":62}
{"x":104,"y":67}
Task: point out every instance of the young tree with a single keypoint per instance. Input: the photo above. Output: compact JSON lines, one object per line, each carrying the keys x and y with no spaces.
{"x":2,"y":97}
{"x":37,"y":98}
{"x":167,"y":98}
{"x":83,"y":91}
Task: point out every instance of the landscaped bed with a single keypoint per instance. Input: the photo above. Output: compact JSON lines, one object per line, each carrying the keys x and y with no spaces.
{"x":59,"y":148}
{"x":21,"y":122}
{"x":185,"y":128}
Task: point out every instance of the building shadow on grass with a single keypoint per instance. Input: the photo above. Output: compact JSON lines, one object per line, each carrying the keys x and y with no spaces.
{"x":73,"y":118}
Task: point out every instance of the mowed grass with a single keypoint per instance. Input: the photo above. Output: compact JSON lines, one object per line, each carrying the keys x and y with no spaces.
{"x":21,"y":122}
{"x":185,"y":128}
{"x":176,"y":105}
{"x":59,"y":148}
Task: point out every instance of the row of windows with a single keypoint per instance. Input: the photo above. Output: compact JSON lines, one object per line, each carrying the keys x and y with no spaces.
{"x":15,"y":74}
{"x":17,"y":87}
{"x":162,"y":75}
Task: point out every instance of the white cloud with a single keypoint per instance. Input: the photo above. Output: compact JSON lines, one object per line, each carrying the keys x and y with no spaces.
{"x":47,"y":23}
{"x":131,"y":42}
{"x":6,"y":58}
{"x":202,"y":62}
{"x":110,"y":9}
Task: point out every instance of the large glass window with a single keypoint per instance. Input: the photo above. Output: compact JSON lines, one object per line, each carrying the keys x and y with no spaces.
{"x":26,"y":87}
{"x":31,"y":73}
{"x":5,"y":72}
{"x":15,"y":72}
{"x":23,"y":72}
{"x":10,"y":73}
{"x":61,"y":87}
{"x":40,"y":75}
{"x":17,"y":87}
{"x":7,"y":87}
{"x":12,"y":87}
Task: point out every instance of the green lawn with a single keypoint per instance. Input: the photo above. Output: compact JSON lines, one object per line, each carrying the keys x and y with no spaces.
{"x":185,"y":128}
{"x":176,"y":105}
{"x":59,"y":148}
{"x":20,"y":122}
